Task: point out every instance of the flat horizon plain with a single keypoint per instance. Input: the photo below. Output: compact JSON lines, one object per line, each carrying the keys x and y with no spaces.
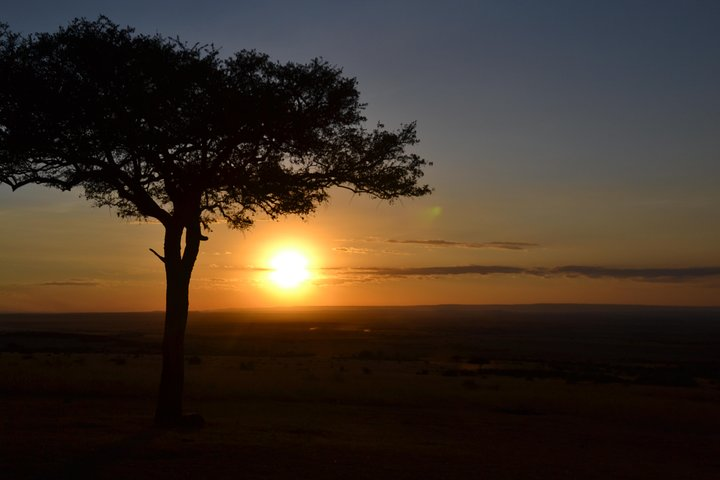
{"x":448,"y":391}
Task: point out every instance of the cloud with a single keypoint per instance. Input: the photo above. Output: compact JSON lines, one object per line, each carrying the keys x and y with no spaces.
{"x":442,"y":243}
{"x":360,"y":251}
{"x":672,"y":275}
{"x":70,"y":283}
{"x":644,"y":274}
{"x":354,"y":275}
{"x":440,"y":271}
{"x":367,"y":251}
{"x":448,"y":243}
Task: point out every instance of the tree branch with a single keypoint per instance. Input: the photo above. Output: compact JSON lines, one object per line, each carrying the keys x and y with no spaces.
{"x":162,"y":259}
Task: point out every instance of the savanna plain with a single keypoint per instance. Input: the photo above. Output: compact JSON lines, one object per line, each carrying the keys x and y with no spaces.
{"x":444,"y":392}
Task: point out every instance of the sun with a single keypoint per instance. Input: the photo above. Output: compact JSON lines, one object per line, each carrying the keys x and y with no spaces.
{"x":289,"y":269}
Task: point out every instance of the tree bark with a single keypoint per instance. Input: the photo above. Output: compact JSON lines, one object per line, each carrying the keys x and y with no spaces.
{"x":178,"y":270}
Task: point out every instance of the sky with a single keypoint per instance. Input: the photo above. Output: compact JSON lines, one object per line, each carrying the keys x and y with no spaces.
{"x":575,"y":144}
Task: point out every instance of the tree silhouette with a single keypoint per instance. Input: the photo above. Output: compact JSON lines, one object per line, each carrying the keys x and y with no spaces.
{"x":155,"y":127}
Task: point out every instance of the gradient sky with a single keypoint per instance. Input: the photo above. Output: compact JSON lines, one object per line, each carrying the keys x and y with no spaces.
{"x":576,"y":147}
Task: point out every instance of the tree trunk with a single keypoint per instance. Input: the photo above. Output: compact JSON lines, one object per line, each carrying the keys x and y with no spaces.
{"x":178,"y":269}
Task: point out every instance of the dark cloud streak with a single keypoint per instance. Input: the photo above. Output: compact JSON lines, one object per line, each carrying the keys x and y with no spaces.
{"x":70,"y":283}
{"x":570,"y":271}
{"x":646,"y":274}
{"x":367,"y":274}
{"x":448,"y":243}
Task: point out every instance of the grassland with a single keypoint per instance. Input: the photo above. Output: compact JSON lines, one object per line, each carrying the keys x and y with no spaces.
{"x":454,"y":392}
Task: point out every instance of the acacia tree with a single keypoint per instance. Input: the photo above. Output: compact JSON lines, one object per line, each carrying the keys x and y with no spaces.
{"x":156,"y":128}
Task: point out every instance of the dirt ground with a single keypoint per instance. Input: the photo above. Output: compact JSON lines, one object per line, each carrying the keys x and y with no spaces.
{"x":544,"y":392}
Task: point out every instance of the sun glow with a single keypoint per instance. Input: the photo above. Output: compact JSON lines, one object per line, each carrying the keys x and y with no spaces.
{"x":289,"y":269}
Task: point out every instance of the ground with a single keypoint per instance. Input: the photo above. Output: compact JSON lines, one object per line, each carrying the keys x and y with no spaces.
{"x":542,"y":392}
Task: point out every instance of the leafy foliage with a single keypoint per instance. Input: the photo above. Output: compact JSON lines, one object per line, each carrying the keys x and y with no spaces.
{"x":154,"y":127}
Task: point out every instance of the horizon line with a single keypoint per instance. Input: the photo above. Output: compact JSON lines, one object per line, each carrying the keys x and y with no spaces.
{"x":369,"y":307}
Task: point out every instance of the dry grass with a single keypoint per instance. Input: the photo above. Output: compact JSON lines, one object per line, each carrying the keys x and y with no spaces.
{"x":352,"y":396}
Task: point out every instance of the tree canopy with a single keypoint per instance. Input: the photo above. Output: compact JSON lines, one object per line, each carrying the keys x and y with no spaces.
{"x":155,"y":127}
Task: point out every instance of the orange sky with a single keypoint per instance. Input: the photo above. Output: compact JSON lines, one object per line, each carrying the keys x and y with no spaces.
{"x":60,"y":254}
{"x":575,"y":149}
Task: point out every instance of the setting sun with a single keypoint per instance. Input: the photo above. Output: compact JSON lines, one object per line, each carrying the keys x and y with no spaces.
{"x":289,"y":269}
